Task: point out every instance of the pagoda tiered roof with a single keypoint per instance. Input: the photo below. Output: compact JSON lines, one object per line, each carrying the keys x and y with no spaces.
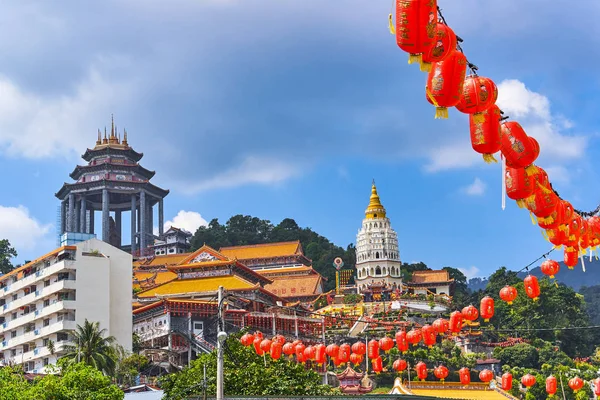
{"x":80,"y":170}
{"x":111,"y":184}
{"x":430,"y":278}
{"x":267,"y":253}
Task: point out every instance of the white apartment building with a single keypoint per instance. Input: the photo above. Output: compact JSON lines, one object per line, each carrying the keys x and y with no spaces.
{"x":42,"y":302}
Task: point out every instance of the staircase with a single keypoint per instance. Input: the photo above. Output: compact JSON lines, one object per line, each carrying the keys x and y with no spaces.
{"x":358,"y":327}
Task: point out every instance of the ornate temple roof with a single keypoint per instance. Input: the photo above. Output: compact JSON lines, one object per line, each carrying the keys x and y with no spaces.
{"x":430,"y":277}
{"x":265,"y":250}
{"x":112,"y":144}
{"x":375,"y":209}
{"x":200,"y":285}
{"x":85,"y":169}
{"x":296,"y":286}
{"x":161,"y":261}
{"x":349,"y":372}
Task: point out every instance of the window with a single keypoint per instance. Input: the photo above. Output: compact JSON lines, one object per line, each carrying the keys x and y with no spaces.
{"x":13,"y":316}
{"x":13,"y":353}
{"x":47,"y":322}
{"x":46,"y":302}
{"x":46,"y":361}
{"x":46,"y":341}
{"x":13,"y":334}
{"x":15,"y":296}
{"x":378,"y":270}
{"x":61,"y":336}
{"x":47,"y":283}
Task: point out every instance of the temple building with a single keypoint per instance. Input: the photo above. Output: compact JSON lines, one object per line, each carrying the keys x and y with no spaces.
{"x":173,"y":241}
{"x":430,"y":282}
{"x":377,"y":256}
{"x":112,"y":182}
{"x":175,"y":308}
{"x":284,"y":263}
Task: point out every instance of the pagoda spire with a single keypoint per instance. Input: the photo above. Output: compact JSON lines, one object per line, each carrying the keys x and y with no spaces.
{"x":105,"y":140}
{"x":112,"y":128}
{"x":99,"y":141}
{"x":124,"y":143}
{"x":375,"y":209}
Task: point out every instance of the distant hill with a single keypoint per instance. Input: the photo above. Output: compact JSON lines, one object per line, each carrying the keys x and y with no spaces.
{"x":574,"y":278}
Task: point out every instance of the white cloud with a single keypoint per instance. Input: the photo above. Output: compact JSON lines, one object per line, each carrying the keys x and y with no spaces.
{"x":470,"y":272}
{"x":253,"y":170}
{"x":186,"y":220}
{"x":477,"y":188}
{"x":23,"y":231}
{"x":558,"y":174}
{"x":532,"y":111}
{"x":455,"y":155}
{"x":35,"y":126}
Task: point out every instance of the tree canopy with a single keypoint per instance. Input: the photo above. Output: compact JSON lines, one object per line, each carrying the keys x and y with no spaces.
{"x":7,"y":253}
{"x":242,"y":230}
{"x":245,"y":374}
{"x":92,"y":348}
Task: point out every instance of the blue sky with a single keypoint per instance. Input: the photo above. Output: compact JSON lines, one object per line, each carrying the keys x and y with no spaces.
{"x":289,"y":109}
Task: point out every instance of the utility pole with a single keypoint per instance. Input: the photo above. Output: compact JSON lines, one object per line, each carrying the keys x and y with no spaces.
{"x":221,"y":337}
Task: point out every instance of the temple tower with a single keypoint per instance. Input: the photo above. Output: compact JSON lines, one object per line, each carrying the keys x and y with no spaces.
{"x":113,"y":182}
{"x":377,"y":254}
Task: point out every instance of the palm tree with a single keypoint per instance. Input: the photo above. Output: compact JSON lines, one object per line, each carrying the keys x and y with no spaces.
{"x":91,"y":347}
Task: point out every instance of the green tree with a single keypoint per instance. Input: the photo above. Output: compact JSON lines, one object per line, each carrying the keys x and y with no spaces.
{"x":7,"y":253}
{"x":523,"y":355}
{"x":245,"y":374}
{"x":91,"y":347}
{"x":460,"y":292}
{"x":12,"y":384}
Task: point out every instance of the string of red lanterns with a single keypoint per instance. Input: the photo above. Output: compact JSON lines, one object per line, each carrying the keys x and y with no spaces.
{"x":422,"y":31}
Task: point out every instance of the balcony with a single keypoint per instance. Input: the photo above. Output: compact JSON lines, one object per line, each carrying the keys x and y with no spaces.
{"x":40,"y":294}
{"x":38,"y":314}
{"x":38,"y":334}
{"x":42,"y":351}
{"x":38,"y":276}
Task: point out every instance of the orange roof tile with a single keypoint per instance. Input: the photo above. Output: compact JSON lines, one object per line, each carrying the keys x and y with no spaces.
{"x":210,"y":253}
{"x":430,"y":276}
{"x":265,"y":250}
{"x":37,"y":260}
{"x":168,"y":259}
{"x":269,"y":271}
{"x":292,"y":286}
{"x":150,"y":306}
{"x":200,"y":285}
{"x":161,"y":277}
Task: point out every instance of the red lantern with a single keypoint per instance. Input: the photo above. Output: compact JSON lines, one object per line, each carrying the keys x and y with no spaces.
{"x":508,"y":294}
{"x":247,"y":339}
{"x":373,"y":349}
{"x":507,"y":379}
{"x":356,"y":358}
{"x":465,"y":376}
{"x":320,"y":356}
{"x":486,"y":375}
{"x":470,"y":313}
{"x":416,"y":22}
{"x":571,"y":257}
{"x":288,"y":349}
{"x":441,"y":326}
{"x":485,"y":136}
{"x":401,"y":341}
{"x":551,"y":385}
{"x":487,"y":308}
{"x":275,"y":350}
{"x":386,"y":344}
{"x":429,"y":335}
{"x":445,"y":44}
{"x":309,"y":353}
{"x":336,"y":362}
{"x":344,"y":353}
{"x":299,"y":349}
{"x":421,"y":370}
{"x":550,"y":268}
{"x":478,"y":94}
{"x":414,"y":336}
{"x":377,"y":364}
{"x":558,"y":236}
{"x":445,"y":83}
{"x":455,"y":322}
{"x":576,"y":384}
{"x":399,"y":365}
{"x":257,"y":342}
{"x":519,"y":185}
{"x":265,"y":345}
{"x":279,"y":339}
{"x":359,"y":348}
{"x":332,"y":350}
{"x":532,"y":287}
{"x":543,"y":204}
{"x":528,"y":380}
{"x":516,"y":147}
{"x":441,"y":372}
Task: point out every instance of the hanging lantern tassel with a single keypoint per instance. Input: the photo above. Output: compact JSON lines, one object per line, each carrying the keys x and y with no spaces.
{"x":489,"y":158}
{"x":582,"y":262}
{"x":533,"y":221}
{"x":503,"y":181}
{"x":440,"y":112}
{"x":391,"y":20}
{"x":531,"y":170}
{"x":415,"y":58}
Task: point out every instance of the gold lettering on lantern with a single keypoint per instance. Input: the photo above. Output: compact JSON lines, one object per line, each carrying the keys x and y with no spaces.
{"x":437,"y":83}
{"x":479,"y":139}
